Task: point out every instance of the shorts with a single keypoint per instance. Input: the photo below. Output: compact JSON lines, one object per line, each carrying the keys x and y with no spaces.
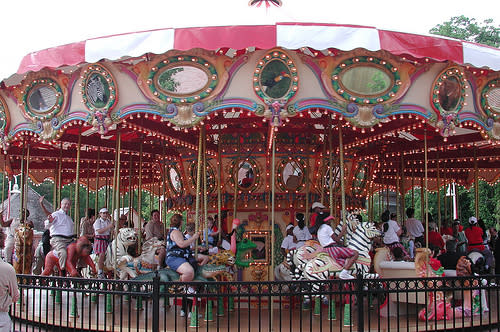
{"x":173,"y":262}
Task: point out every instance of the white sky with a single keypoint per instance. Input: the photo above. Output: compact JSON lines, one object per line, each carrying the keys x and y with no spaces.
{"x":32,"y":25}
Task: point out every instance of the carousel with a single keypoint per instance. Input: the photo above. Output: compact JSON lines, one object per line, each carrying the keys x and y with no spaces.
{"x":213,"y":121}
{"x":253,"y":123}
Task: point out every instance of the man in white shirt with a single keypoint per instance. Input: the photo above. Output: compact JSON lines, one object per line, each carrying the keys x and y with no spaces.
{"x":61,"y":230}
{"x":331,"y":243}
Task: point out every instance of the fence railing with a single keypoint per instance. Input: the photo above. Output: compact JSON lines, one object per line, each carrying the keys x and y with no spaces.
{"x":335,"y":305}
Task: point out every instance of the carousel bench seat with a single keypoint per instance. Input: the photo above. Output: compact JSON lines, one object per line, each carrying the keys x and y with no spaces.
{"x":402,"y":302}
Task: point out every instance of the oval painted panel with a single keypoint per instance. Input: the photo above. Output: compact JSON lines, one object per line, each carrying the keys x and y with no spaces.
{"x":494,"y":99}
{"x":246,"y":175}
{"x":366,"y":80}
{"x":42,"y":99}
{"x":275,"y":79}
{"x":292,"y":175}
{"x":449,"y":94}
{"x":183,"y":80}
{"x":97,"y":90}
{"x":175,"y":179}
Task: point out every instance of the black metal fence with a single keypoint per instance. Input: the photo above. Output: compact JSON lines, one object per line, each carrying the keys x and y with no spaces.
{"x":65,"y":304}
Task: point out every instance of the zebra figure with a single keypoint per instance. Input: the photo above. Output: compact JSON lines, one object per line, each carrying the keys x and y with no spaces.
{"x":324,"y":267}
{"x":95,"y":89}
{"x":298,"y":258}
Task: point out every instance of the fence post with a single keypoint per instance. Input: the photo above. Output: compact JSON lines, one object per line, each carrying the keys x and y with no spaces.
{"x":156,"y":302}
{"x":360,"y":302}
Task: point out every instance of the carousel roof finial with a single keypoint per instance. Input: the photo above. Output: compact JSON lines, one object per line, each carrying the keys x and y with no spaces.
{"x":258,"y":3}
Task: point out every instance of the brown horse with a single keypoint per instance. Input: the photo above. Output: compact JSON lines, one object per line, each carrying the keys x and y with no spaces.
{"x":23,"y":249}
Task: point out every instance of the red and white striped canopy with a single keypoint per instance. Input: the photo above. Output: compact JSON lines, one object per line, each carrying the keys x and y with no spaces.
{"x":287,"y":35}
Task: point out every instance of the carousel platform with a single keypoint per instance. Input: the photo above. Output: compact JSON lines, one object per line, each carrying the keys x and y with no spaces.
{"x":119,"y":312}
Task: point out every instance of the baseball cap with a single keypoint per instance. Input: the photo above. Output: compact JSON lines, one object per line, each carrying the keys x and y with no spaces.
{"x":317,"y":205}
{"x":103,"y":210}
{"x":472,"y":220}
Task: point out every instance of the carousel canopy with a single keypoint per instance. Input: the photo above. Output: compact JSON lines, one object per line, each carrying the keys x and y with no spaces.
{"x":397,"y":107}
{"x":231,"y":40}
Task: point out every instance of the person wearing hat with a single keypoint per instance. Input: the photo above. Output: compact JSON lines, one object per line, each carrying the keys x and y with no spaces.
{"x":474,"y":235}
{"x":301,"y":232}
{"x":102,"y":230}
{"x":331,"y":243}
{"x":317,"y":208}
{"x":288,"y":242}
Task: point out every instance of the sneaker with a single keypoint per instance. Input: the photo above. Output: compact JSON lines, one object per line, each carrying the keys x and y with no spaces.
{"x":190,"y":290}
{"x":345,"y":275}
{"x":183,"y":313}
{"x":101,"y":276}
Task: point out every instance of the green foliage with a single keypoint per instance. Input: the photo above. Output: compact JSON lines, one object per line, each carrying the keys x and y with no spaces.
{"x":166,"y":80}
{"x":377,"y":83}
{"x":149,"y":202}
{"x":464,"y":28}
{"x":489,"y":203}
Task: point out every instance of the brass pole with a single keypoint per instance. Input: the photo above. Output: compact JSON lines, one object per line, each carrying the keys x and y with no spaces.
{"x":21,"y":202}
{"x":164,"y":191}
{"x":205,"y":193}
{"x":397,"y":192}
{"x":322,"y":158}
{"x":117,"y":189}
{"x":342,"y":182}
{"x":438,"y":196}
{"x":198,"y":183}
{"x":308,"y":188}
{"x":77,"y":183}
{"x":422,"y":203}
{"x":130,"y":193}
{"x":273,"y":193}
{"x":235,"y":175}
{"x":59,"y":176}
{"x":476,"y":184}
{"x":219,"y":182}
{"x":25,"y":184}
{"x":139,"y":194}
{"x":54,"y":188}
{"x":24,"y":202}
{"x":330,"y":162}
{"x":403,"y":190}
{"x":445,"y":197}
{"x":413,"y":187}
{"x":87,"y":202}
{"x":97,"y":171}
{"x":426,"y":198}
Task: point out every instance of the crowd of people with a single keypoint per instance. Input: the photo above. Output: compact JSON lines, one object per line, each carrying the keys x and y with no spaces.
{"x":402,"y":237}
{"x":448,"y":243}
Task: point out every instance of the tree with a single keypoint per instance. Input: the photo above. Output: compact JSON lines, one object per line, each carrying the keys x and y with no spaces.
{"x":464,"y":28}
